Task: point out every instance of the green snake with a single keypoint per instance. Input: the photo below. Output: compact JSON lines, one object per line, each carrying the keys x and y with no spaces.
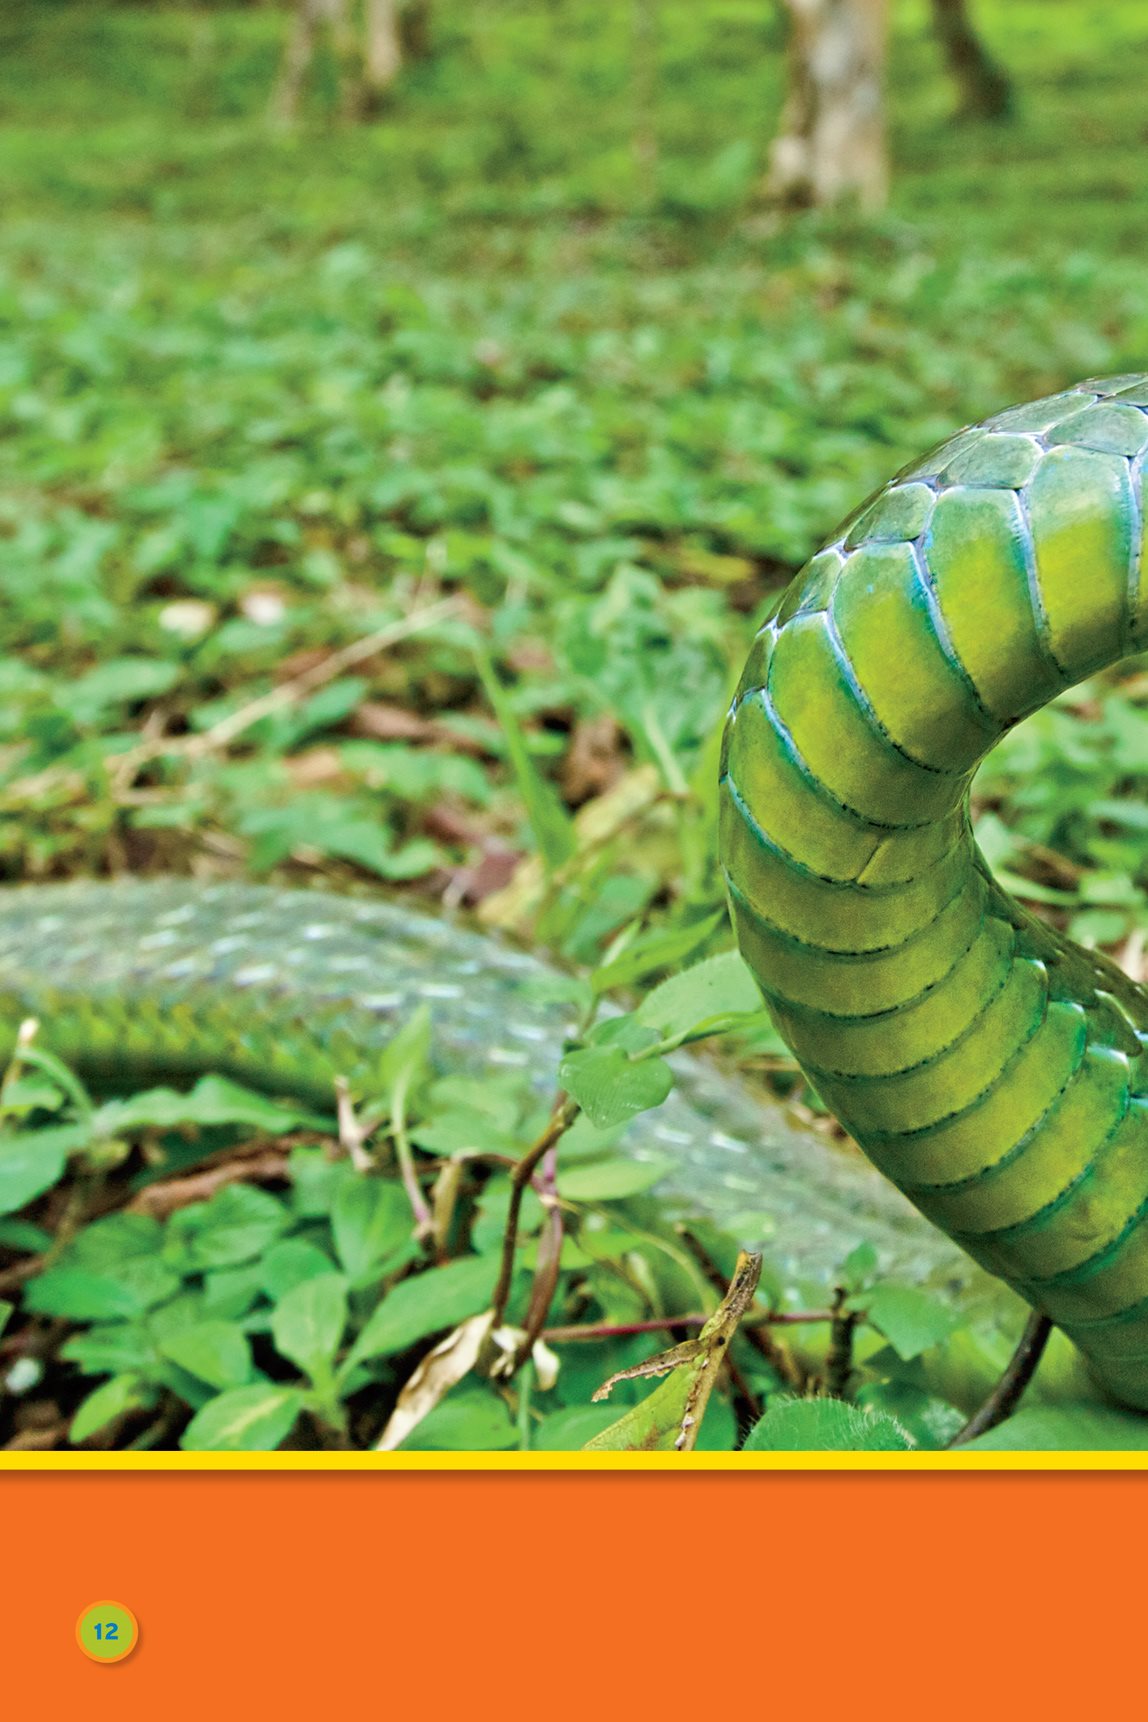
{"x":986,"y":1065}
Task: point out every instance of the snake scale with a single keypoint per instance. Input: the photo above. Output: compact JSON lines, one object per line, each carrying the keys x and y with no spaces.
{"x":990,"y":1068}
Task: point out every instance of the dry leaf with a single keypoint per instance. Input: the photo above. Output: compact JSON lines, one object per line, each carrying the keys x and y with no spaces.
{"x":439,"y":1371}
{"x":594,"y":761}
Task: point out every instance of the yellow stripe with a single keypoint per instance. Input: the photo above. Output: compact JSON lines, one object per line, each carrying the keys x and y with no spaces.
{"x":682,"y":1462}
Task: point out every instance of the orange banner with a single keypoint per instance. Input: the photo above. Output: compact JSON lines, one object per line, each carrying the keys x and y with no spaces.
{"x":567,"y":1595}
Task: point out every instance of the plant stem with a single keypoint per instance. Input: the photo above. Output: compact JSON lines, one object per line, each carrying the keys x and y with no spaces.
{"x":789,"y":1317}
{"x":1019,"y":1372}
{"x":549,"y":1258}
{"x":564,"y":1113}
{"x":404,"y":1154}
{"x":525,"y":1386}
{"x":839,"y":1361}
{"x":619,"y":1330}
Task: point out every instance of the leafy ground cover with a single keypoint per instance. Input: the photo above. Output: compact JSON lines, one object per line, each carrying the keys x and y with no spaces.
{"x":553,"y":426}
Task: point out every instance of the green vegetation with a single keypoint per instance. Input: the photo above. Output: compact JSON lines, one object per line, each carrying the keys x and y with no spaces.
{"x":471,"y":368}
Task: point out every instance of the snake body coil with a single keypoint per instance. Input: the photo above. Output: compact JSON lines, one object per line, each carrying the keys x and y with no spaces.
{"x":990,"y":1067}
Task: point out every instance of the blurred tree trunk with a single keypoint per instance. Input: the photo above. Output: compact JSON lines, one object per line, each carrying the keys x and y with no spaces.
{"x":311,"y":17}
{"x":382,"y":48}
{"x":985,"y":89}
{"x":415,"y":29}
{"x":831,"y":140}
{"x":393,"y":31}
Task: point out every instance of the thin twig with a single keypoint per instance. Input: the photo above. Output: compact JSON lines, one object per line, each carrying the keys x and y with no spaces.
{"x":1019,"y":1372}
{"x":549,"y":1258}
{"x":789,"y":1317}
{"x":404,"y":1154}
{"x":352,"y":1133}
{"x":564,"y":1114}
{"x":619,"y":1330}
{"x":839,"y":1358}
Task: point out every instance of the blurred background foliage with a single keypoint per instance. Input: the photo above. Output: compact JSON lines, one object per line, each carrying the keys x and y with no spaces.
{"x":535,"y":339}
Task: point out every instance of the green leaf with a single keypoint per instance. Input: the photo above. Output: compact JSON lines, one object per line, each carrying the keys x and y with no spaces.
{"x":570,"y":1429}
{"x":473,"y":1421}
{"x":290,"y":1263}
{"x":713,"y":995}
{"x":116,"y":682}
{"x":308,"y":1322}
{"x":623,"y":1031}
{"x":23,"y":1235}
{"x":5,"y":1313}
{"x":610,"y":1087}
{"x":243,"y":1420}
{"x":314,"y":1180}
{"x":103,"y":1246}
{"x":610,"y":1180}
{"x":1083,"y":1428}
{"x":824,"y":1425}
{"x":213,"y":1101}
{"x":662,"y":949}
{"x":859,"y":1266}
{"x":111,"y":1348}
{"x":426,"y":1304}
{"x":59,"y":1074}
{"x":910,"y":1320}
{"x":106,"y":1402}
{"x":405,"y":1059}
{"x":229,"y":1293}
{"x":370,"y":1222}
{"x":76,"y":1295}
{"x":552,"y":826}
{"x":215,"y":1351}
{"x":235,"y":1225}
{"x":930,"y":1421}
{"x":33,"y":1161}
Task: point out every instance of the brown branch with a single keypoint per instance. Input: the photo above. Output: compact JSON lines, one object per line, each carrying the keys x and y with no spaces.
{"x":839,"y":1359}
{"x":564,"y":1114}
{"x":549,"y":1259}
{"x":1007,"y":1392}
{"x":167,"y":1196}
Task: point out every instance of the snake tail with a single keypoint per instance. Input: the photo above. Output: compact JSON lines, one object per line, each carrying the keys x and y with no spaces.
{"x":989,"y":1066}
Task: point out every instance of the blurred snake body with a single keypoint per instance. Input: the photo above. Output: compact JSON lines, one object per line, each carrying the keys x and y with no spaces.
{"x":987,"y":1065}
{"x":989,"y":1068}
